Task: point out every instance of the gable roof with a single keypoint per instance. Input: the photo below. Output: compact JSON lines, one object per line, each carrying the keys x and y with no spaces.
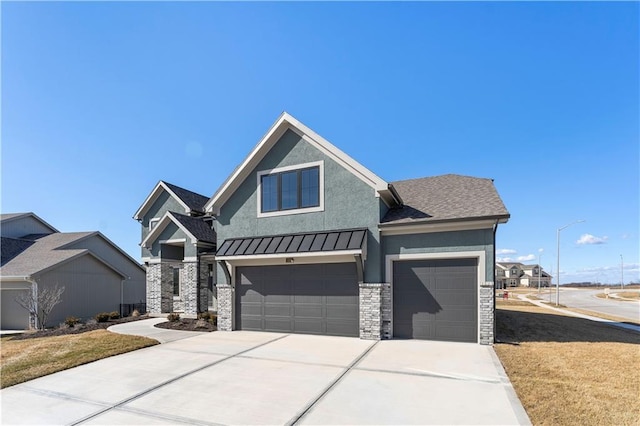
{"x":8,"y":217}
{"x":44,"y":252}
{"x":195,"y":228}
{"x":282,"y":124}
{"x":446,"y":198}
{"x":189,"y":200}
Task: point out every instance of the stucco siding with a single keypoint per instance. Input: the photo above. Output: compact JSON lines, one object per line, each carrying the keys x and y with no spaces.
{"x":348,"y":203}
{"x":90,"y":288}
{"x":173,"y":232}
{"x":456,"y":241}
{"x":165,"y":202}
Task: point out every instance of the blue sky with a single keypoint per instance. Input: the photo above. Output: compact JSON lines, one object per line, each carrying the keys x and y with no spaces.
{"x":101,"y":100}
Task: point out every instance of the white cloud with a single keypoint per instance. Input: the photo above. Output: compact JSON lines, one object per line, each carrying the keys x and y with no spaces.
{"x":526,"y":258}
{"x":590,"y":239}
{"x":504,"y":259}
{"x":506,"y":251}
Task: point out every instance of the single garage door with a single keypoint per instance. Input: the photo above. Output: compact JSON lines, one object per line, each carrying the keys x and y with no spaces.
{"x":13,"y":316}
{"x":436,"y":299}
{"x":311,"y":299}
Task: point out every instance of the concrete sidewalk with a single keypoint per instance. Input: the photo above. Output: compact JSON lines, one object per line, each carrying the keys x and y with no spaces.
{"x":256,"y":378}
{"x":147,"y":328}
{"x":577,"y":315}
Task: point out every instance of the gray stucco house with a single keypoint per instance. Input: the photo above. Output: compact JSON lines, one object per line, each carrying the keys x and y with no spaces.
{"x":307,"y":240}
{"x":96,"y":274}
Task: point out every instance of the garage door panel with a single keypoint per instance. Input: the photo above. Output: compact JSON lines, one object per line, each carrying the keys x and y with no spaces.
{"x":435,"y":299}
{"x":310,"y":311}
{"x":275,"y":309}
{"x":307,"y":326}
{"x":318,"y":299}
{"x":252,"y":309}
{"x":342,"y":311}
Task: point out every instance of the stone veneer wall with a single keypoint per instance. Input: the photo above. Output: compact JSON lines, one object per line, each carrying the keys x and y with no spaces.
{"x":189,"y":287}
{"x":225,"y":305}
{"x":387,"y":311}
{"x":159,"y":288}
{"x":204,"y":292}
{"x":370,"y":311}
{"x":487,"y":313}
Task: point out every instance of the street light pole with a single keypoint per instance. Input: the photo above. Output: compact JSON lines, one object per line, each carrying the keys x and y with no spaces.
{"x":558,"y":259}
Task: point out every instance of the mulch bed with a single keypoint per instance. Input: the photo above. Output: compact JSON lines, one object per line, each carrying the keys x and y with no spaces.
{"x":187,"y":324}
{"x":77,"y":329}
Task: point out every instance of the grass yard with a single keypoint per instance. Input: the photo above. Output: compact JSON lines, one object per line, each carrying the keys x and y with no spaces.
{"x":568,"y":370}
{"x":22,"y":360}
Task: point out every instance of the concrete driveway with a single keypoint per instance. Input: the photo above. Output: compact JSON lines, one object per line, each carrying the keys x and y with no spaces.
{"x":270,"y":378}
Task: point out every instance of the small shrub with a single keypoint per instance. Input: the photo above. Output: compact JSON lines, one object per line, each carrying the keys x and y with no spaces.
{"x":114,"y":315}
{"x":71,"y":321}
{"x":91,"y":321}
{"x":209,"y":317}
{"x":173,"y":317}
{"x":135,"y":313}
{"x":102,"y":317}
{"x":63,"y":326}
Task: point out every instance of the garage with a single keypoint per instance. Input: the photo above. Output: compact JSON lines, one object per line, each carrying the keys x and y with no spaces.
{"x":436,"y":299}
{"x":13,"y":316}
{"x":310,"y":299}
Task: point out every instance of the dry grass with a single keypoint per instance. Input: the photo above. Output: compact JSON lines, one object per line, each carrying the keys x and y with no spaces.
{"x":567,"y":370}
{"x":620,"y":295}
{"x":22,"y":360}
{"x":603,"y":316}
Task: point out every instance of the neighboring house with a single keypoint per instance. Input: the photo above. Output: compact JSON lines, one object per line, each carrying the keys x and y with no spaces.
{"x":96,"y":274}
{"x":515,"y":274}
{"x":310,"y":241}
{"x":178,"y":248}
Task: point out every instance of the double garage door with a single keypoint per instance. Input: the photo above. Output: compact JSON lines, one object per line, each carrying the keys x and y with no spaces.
{"x":432,"y":299}
{"x":310,"y":299}
{"x":436,"y":299}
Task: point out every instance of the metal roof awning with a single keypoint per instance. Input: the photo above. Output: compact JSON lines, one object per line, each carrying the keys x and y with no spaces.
{"x":326,"y":242}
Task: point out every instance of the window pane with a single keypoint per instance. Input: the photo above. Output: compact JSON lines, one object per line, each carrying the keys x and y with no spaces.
{"x":176,"y":282}
{"x":289,"y":190}
{"x":310,"y":187}
{"x":269,"y":185}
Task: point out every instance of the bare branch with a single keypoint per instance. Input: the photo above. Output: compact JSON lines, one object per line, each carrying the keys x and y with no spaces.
{"x":40,"y":303}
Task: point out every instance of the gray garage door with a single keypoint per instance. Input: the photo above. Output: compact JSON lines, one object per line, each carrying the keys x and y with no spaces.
{"x":436,"y":300}
{"x":13,"y":316}
{"x":311,"y":299}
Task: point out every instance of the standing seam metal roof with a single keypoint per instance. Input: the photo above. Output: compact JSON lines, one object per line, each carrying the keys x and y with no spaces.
{"x":294,"y":243}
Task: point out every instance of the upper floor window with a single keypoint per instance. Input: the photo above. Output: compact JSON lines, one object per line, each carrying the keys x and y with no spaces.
{"x":289,"y":190}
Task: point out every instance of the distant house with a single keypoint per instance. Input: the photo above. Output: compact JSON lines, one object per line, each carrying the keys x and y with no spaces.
{"x":301,"y":238}
{"x":516,"y":274}
{"x":96,"y":274}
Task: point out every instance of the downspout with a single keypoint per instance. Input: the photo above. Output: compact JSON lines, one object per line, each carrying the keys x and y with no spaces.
{"x":493,"y":267}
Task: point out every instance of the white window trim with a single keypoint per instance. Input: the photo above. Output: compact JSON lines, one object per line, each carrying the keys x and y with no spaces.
{"x":480,"y":255}
{"x":319,"y":208}
{"x":153,"y":223}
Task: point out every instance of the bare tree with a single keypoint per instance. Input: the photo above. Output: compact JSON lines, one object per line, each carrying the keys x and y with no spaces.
{"x":40,"y":303}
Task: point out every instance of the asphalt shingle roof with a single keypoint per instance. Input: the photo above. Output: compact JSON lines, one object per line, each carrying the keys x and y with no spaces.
{"x":193,"y":200}
{"x":197,"y":227}
{"x":445,"y":197}
{"x":40,"y":254}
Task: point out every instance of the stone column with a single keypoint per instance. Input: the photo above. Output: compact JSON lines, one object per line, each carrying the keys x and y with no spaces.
{"x":189,"y":287}
{"x":154,"y":285}
{"x":204,"y":292}
{"x":225,"y":307}
{"x":166,"y":288}
{"x":387,"y":311}
{"x":487,"y":313}
{"x":370,"y":311}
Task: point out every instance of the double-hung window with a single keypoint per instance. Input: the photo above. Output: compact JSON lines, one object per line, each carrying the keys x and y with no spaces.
{"x":289,"y":190}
